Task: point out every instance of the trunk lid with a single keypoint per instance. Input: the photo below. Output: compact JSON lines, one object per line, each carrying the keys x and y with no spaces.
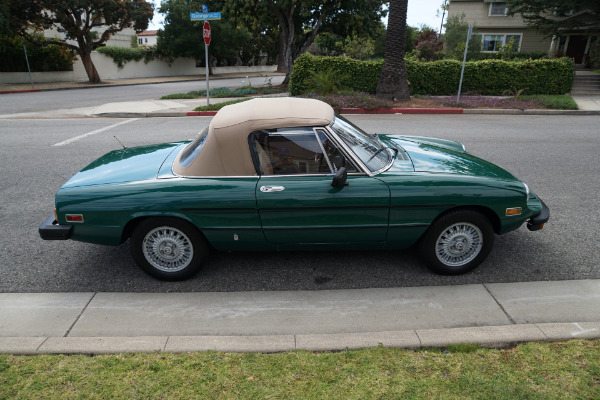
{"x":125,"y":165}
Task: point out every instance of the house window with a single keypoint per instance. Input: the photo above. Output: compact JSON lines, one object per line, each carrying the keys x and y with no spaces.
{"x":494,"y":42}
{"x":146,"y":40}
{"x":498,"y":9}
{"x":140,"y":41}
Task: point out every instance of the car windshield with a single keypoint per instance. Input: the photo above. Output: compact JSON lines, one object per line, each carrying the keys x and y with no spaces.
{"x":369,"y":149}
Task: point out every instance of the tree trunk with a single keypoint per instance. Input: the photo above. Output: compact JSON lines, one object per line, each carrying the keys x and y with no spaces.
{"x":393,"y":82}
{"x":88,"y":64}
{"x":281,"y":55}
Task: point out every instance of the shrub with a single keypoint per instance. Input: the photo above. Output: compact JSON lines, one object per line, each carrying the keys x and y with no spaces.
{"x":361,"y":76}
{"x":355,"y":100}
{"x":487,"y":77}
{"x":41,"y":58}
{"x":122,"y":55}
{"x":243,"y":92}
{"x":594,"y":54}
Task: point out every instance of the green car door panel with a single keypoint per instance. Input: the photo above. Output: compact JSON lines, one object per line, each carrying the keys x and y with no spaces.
{"x":307,"y":209}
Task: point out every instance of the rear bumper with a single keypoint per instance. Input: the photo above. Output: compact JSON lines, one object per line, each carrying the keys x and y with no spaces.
{"x":51,"y":230}
{"x":537,"y":221}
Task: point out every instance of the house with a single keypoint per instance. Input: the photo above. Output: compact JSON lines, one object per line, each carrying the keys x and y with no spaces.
{"x":147,"y":38}
{"x":497,"y":28}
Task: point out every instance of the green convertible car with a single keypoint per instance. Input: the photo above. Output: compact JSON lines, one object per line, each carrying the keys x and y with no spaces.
{"x":289,"y":174}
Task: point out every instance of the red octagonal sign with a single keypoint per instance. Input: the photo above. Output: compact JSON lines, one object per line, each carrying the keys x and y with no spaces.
{"x":206,"y":32}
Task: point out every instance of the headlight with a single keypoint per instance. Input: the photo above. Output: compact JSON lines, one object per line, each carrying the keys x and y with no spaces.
{"x":526,"y":190}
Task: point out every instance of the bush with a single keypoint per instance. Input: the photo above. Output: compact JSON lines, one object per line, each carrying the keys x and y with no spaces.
{"x":122,"y":55}
{"x":487,"y":77}
{"x":355,"y":100}
{"x":361,"y":76}
{"x":594,"y":54}
{"x":41,"y":58}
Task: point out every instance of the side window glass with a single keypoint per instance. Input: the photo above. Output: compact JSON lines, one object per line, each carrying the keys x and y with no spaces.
{"x":289,"y":151}
{"x":336,"y":158}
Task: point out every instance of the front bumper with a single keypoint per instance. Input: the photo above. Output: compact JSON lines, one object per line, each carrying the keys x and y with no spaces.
{"x":537,"y":222}
{"x":51,"y":230}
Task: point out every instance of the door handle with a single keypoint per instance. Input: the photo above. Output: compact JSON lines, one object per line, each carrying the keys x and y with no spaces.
{"x":268,"y":189}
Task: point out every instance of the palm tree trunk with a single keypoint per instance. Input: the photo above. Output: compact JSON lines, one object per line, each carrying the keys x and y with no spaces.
{"x":393,"y":81}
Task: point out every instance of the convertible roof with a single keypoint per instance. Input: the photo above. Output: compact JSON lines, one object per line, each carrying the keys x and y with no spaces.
{"x":226,"y":150}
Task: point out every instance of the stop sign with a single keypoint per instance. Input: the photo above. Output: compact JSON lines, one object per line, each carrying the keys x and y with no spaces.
{"x":206,"y":33}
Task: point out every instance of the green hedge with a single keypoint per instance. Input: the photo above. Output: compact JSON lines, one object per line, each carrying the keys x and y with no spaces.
{"x":441,"y":78}
{"x":122,"y":55}
{"x":41,"y":58}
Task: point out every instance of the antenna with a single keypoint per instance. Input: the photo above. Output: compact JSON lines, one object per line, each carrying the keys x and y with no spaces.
{"x":124,"y":147}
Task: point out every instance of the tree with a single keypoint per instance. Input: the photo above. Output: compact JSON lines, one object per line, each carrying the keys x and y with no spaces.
{"x":550,"y":17}
{"x":89,"y":23}
{"x":455,"y":38}
{"x":4,"y":19}
{"x":393,"y":81}
{"x":299,"y":21}
{"x":182,"y":37}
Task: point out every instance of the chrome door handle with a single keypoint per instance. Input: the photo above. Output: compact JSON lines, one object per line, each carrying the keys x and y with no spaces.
{"x":268,"y":189}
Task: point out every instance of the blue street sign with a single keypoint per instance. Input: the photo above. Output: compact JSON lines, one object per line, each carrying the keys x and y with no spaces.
{"x":205,"y":16}
{"x":204,"y":8}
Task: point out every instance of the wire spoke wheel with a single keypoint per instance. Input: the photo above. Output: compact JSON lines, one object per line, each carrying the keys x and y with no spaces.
{"x":168,"y":249}
{"x":459,"y":244}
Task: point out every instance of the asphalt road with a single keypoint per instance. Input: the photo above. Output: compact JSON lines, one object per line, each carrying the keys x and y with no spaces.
{"x":87,"y":97}
{"x":557,"y":156}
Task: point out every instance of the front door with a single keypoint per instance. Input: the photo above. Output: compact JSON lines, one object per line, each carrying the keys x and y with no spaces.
{"x":576,"y":47}
{"x":298,"y":205}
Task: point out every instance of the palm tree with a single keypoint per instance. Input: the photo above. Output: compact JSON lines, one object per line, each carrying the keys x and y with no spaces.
{"x":393,"y":82}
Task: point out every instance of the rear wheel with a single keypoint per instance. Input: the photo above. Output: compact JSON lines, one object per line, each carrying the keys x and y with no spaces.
{"x":168,"y":248}
{"x":457,"y":242}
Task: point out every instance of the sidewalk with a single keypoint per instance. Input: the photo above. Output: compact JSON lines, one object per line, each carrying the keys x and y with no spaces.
{"x":38,"y":87}
{"x":496,"y":314}
{"x":184,"y":108}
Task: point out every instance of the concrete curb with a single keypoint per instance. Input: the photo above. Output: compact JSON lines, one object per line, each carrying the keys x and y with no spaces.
{"x":530,"y":112}
{"x":357,"y":111}
{"x":489,"y":336}
{"x":20,"y":91}
{"x":401,"y":111}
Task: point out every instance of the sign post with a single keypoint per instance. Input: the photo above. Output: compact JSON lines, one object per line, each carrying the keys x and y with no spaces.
{"x":207,"y":36}
{"x":462,"y":72}
{"x":206,"y":33}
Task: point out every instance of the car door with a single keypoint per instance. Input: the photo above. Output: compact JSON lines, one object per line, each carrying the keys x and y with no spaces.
{"x":296,"y":202}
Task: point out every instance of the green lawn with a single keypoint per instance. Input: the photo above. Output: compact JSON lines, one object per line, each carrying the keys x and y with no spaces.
{"x":563,"y":370}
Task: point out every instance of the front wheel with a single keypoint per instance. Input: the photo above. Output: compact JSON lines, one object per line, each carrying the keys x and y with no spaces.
{"x":457,"y":242}
{"x":168,"y":248}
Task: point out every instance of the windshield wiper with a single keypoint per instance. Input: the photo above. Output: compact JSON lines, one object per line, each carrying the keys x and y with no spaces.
{"x":377,"y":152}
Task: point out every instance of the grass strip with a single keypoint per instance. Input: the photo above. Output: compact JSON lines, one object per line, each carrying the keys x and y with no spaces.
{"x":218,"y":106}
{"x":554,"y":102}
{"x":562,"y":370}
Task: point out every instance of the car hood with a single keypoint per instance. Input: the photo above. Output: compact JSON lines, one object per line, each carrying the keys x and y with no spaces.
{"x":441,"y":156}
{"x":125,"y":165}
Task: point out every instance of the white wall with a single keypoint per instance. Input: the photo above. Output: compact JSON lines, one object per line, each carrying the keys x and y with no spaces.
{"x":108,"y":70}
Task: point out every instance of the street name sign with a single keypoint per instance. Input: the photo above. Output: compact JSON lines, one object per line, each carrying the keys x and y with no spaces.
{"x":198,"y":16}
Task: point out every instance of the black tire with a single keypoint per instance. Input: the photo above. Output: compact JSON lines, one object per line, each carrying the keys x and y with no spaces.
{"x":457,"y":242}
{"x":168,"y":248}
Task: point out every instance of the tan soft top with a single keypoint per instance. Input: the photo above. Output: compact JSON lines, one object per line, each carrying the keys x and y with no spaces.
{"x":226,"y":151}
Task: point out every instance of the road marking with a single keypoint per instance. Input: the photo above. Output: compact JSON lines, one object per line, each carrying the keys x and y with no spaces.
{"x":76,"y":138}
